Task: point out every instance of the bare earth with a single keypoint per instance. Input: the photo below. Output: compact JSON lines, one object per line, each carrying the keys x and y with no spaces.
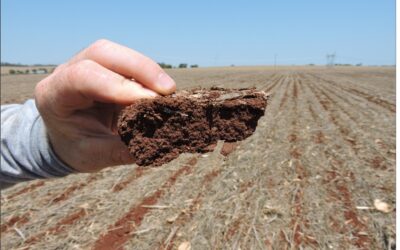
{"x":306,"y":179}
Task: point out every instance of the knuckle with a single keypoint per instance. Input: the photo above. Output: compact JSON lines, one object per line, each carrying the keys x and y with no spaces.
{"x":43,"y":95}
{"x":145,"y":64}
{"x":39,"y":90}
{"x":79,"y":71}
{"x":101,"y":42}
{"x":97,"y":46}
{"x":85,"y":64}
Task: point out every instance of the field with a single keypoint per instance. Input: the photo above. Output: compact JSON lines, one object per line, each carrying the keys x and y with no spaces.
{"x":5,"y":70}
{"x":306,"y":179}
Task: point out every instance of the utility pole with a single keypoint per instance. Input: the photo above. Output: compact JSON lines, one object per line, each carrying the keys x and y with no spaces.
{"x":330,"y":59}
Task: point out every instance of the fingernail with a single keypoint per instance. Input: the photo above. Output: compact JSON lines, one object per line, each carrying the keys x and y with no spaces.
{"x":165,"y":82}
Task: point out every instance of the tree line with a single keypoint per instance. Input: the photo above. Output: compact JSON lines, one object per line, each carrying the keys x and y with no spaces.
{"x":181,"y":66}
{"x":26,"y":65}
{"x":30,"y":71}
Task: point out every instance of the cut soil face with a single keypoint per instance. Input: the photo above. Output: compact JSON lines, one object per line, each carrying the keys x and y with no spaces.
{"x":158,"y":130}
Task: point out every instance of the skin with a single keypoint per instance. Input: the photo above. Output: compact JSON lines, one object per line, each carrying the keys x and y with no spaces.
{"x":80,"y":101}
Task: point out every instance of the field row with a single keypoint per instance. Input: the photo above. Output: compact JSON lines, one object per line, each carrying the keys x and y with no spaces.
{"x":323,"y":149}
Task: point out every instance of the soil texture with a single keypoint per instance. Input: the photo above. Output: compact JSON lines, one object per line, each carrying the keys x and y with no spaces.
{"x":159,"y":130}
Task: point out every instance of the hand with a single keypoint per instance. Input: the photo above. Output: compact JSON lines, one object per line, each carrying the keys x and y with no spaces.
{"x":80,"y":101}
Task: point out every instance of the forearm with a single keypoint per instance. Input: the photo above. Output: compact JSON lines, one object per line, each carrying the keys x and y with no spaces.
{"x":26,"y":153}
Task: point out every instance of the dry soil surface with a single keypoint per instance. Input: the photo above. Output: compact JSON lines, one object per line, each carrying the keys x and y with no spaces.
{"x":306,"y":179}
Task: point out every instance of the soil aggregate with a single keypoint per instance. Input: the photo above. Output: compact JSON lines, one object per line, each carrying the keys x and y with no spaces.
{"x":159,"y":130}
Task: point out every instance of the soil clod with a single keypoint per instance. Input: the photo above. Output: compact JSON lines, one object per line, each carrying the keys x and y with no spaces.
{"x":158,"y":130}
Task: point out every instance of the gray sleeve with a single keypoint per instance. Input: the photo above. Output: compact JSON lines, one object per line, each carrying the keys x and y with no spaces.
{"x":26,"y":153}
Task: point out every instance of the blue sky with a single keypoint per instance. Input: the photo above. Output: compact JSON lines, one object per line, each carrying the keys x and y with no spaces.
{"x":208,"y":33}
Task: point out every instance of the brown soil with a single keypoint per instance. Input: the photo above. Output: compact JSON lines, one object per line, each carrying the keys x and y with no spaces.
{"x":137,"y":173}
{"x":59,"y":227}
{"x":15,"y":220}
{"x":228,"y":148}
{"x":27,"y":189}
{"x":157,"y":131}
{"x":75,"y":187}
{"x":186,"y":215}
{"x":120,"y":232}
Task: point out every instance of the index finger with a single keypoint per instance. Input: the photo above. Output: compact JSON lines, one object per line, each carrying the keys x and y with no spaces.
{"x":128,"y":63}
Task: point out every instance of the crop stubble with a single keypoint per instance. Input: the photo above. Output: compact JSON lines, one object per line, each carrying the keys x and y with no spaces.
{"x":325,"y":146}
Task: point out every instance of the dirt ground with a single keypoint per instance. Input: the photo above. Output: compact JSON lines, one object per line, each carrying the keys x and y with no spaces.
{"x":306,"y":179}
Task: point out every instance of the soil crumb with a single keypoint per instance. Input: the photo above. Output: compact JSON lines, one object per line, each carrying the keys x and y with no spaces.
{"x":228,"y":148}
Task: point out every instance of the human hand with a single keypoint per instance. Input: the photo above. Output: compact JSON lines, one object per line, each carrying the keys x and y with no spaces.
{"x":80,"y":101}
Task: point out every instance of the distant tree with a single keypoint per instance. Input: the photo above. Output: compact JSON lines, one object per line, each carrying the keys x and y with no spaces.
{"x":12,"y":64}
{"x":34,"y":71}
{"x":311,"y":64}
{"x":182,"y":65}
{"x":194,"y":66}
{"x":359,"y":64}
{"x":343,"y":64}
{"x":27,"y":71}
{"x":44,"y":70}
{"x":232,"y":65}
{"x":12,"y":72}
{"x":165,"y":66}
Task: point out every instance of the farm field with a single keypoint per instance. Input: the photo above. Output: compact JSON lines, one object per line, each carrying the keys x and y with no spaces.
{"x":5,"y":70}
{"x":306,"y":179}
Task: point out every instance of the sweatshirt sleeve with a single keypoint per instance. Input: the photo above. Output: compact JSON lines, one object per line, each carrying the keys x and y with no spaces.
{"x":26,"y":153}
